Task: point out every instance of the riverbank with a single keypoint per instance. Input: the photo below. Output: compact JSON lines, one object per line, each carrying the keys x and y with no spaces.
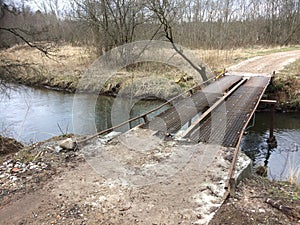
{"x":258,"y":200}
{"x":285,"y":88}
{"x":60,"y":71}
{"x":64,"y":68}
{"x":57,"y":186}
{"x":9,"y":145}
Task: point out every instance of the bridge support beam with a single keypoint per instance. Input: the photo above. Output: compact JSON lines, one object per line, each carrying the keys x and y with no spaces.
{"x":271,"y":140}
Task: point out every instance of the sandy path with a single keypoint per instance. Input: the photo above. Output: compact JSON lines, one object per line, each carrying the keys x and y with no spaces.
{"x":266,"y":64}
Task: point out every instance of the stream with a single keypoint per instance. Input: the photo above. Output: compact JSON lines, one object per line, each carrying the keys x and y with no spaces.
{"x":31,"y":115}
{"x":283,"y":159}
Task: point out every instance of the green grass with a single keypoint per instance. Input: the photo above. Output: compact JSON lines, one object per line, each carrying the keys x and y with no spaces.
{"x":275,"y":50}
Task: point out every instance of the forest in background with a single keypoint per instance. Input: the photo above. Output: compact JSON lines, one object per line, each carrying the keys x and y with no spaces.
{"x":105,"y":24}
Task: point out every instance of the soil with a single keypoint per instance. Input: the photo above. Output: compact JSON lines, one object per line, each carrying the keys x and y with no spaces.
{"x":267,"y":64}
{"x":249,"y":205}
{"x":9,"y":145}
{"x":67,"y":190}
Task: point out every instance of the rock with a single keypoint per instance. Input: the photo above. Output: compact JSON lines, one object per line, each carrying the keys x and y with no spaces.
{"x":9,"y":161}
{"x":34,"y":167}
{"x":261,"y":210}
{"x":58,"y":149}
{"x":15,"y":170}
{"x":13,"y":178}
{"x":68,"y":144}
{"x":43,"y":166}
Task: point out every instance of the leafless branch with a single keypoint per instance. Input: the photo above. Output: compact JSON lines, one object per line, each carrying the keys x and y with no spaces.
{"x":15,"y":32}
{"x":164,"y":15}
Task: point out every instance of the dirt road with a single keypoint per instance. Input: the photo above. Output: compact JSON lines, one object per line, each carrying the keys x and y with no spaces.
{"x":266,"y":64}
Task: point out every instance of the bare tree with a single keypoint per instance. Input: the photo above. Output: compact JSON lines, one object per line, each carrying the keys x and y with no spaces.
{"x":113,"y":22}
{"x":167,"y":14}
{"x":9,"y":18}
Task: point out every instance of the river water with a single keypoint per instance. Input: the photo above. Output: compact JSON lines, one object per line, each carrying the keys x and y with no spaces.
{"x":282,"y":160}
{"x":32,"y":115}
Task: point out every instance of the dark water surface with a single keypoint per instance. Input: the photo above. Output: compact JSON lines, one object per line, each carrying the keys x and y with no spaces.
{"x":283,"y":159}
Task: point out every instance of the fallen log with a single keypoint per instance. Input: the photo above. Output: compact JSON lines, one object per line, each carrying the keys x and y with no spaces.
{"x":288,"y":211}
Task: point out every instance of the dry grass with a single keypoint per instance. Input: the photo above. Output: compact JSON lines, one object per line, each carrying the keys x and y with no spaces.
{"x":69,"y":63}
{"x":286,"y":86}
{"x":62,"y":69}
{"x":294,"y":176}
{"x":61,"y":58}
{"x":68,"y":57}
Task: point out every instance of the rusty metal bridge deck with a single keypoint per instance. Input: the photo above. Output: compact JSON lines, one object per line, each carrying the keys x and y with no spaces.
{"x":214,"y":117}
{"x":224,"y":124}
{"x":174,"y":118}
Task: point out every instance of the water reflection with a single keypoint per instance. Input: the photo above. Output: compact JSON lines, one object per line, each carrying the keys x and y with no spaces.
{"x":286,"y":155}
{"x":32,"y":115}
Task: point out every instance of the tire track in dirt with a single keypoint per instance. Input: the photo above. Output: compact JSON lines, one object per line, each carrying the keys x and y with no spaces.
{"x":266,"y":64}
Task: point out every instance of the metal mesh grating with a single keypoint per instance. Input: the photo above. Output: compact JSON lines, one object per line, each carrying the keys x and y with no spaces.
{"x":230,"y":118}
{"x":185,"y":109}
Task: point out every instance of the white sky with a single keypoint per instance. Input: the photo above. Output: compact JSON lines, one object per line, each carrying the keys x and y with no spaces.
{"x":41,"y":5}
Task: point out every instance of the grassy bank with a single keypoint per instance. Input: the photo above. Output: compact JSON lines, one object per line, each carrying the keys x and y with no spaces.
{"x":254,"y":200}
{"x":61,"y":70}
{"x":286,"y":88}
{"x":67,"y":64}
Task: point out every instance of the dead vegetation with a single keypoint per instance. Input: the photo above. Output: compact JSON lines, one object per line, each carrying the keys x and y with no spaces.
{"x":261,"y":201}
{"x":25,"y":65}
{"x":286,"y":88}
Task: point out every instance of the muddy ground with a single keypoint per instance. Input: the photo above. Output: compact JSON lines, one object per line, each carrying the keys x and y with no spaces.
{"x":249,"y":205}
{"x":9,"y":145}
{"x":40,"y":185}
